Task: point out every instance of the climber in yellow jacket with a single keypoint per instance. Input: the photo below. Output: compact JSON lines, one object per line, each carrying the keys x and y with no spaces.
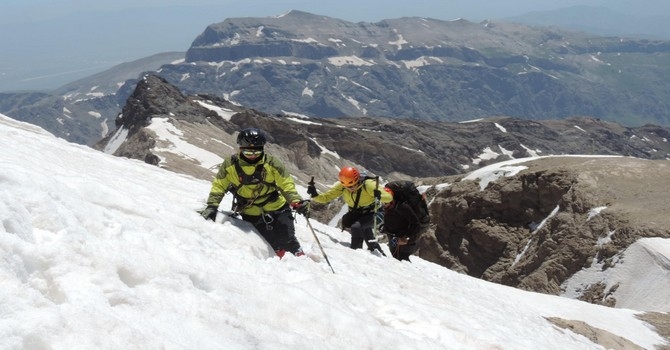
{"x":359,"y":193}
{"x":263,"y":191}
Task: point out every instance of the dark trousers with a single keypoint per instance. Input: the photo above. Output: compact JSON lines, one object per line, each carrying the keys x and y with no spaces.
{"x":277,"y":229}
{"x":360,"y":226}
{"x":402,"y":252}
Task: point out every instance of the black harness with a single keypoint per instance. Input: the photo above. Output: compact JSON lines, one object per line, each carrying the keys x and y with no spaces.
{"x":256,"y":178}
{"x":355,"y":208}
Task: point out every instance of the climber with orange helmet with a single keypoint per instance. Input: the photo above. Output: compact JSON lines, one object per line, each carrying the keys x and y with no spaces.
{"x":359,"y":193}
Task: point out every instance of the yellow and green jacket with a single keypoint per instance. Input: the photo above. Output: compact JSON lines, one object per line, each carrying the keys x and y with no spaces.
{"x":366,"y":199}
{"x":264,"y":186}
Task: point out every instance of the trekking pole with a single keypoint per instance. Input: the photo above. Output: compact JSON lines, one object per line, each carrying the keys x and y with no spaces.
{"x":309,"y":224}
{"x":375,"y":229}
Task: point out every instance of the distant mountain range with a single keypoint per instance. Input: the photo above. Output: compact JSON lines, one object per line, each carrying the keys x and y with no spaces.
{"x":40,"y":55}
{"x":83,"y":111}
{"x":408,"y":68}
{"x":419,"y":68}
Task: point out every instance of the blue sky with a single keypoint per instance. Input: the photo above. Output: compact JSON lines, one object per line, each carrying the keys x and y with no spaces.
{"x":368,"y":10}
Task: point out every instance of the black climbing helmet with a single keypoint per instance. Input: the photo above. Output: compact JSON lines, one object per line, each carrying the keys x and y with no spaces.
{"x":251,"y":137}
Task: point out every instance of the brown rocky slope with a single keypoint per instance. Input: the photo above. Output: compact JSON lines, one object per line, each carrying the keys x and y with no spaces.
{"x":591,"y":209}
{"x":495,"y":233}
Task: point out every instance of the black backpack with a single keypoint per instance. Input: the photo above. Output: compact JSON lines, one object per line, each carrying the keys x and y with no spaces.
{"x":405,"y":191}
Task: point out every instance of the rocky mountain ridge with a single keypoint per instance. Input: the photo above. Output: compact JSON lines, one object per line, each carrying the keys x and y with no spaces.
{"x":393,"y":148}
{"x":421,"y":68}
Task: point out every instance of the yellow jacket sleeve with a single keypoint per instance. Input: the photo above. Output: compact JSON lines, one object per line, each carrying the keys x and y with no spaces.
{"x":333,"y":193}
{"x":366,"y":199}
{"x":220,"y":183}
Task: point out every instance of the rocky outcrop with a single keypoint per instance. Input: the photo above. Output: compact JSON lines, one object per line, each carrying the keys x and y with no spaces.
{"x":534,"y":230}
{"x":596,"y":335}
{"x":154,"y":98}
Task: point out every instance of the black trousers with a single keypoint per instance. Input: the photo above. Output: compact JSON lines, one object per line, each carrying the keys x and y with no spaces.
{"x":401,"y":252}
{"x":360,"y":226}
{"x":277,"y":229}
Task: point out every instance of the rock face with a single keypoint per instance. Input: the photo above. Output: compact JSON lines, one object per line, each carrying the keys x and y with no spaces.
{"x":425,"y":69}
{"x":535,"y":229}
{"x":154,"y":99}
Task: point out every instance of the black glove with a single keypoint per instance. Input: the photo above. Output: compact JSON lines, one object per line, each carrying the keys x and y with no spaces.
{"x":377,"y":193}
{"x":301,"y":207}
{"x":209,"y":213}
{"x":311,"y":189}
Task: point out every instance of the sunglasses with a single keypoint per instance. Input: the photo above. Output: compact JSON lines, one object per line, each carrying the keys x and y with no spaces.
{"x":251,"y":152}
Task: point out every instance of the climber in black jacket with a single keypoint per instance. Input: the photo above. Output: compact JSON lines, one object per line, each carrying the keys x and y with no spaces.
{"x":402,"y":227}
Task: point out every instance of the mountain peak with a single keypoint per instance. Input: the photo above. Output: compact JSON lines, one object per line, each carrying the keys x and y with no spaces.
{"x":297,"y":14}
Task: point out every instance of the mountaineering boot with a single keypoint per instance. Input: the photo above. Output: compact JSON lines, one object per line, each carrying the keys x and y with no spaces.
{"x":281,"y":252}
{"x":373,"y":245}
{"x":298,"y":252}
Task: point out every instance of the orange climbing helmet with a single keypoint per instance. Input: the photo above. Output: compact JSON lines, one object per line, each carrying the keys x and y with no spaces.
{"x":349,"y":176}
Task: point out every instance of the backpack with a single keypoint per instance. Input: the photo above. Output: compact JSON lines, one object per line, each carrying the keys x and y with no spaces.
{"x":405,"y":191}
